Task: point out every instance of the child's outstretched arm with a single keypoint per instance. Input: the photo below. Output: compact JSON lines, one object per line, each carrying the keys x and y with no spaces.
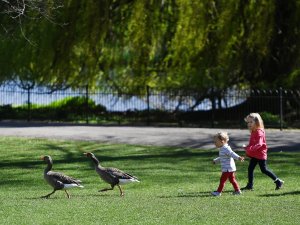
{"x":216,"y":160}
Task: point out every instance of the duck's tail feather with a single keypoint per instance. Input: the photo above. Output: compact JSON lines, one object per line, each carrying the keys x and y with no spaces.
{"x":67,"y":186}
{"x":126,"y":181}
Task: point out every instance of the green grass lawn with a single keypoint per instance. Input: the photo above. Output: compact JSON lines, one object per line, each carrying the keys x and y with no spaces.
{"x":175,"y":186}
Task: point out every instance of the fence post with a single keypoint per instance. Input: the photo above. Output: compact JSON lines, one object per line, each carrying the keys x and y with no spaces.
{"x":281,"y":109}
{"x":87,"y":104}
{"x":28,"y":105}
{"x":213,"y":113}
{"x":213,"y":108}
{"x":148,"y":105}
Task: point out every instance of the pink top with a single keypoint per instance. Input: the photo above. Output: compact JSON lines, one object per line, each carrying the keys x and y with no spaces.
{"x":257,"y":147}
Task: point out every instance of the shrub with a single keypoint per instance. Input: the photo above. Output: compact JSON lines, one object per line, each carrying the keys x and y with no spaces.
{"x":76,"y":107}
{"x":271,"y":119}
{"x":68,"y":109}
{"x":6,"y":111}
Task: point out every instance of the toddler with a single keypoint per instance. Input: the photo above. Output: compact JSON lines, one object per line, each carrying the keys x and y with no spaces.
{"x":226,"y":159}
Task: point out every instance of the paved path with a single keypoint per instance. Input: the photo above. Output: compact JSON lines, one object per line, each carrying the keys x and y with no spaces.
{"x":287,"y":140}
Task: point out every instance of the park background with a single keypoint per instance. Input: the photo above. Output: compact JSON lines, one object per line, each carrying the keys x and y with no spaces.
{"x":159,"y":62}
{"x":204,"y":63}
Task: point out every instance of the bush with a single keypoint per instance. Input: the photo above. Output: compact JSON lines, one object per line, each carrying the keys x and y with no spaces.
{"x":71,"y":108}
{"x":6,"y":112}
{"x":271,"y":119}
{"x":67,"y":109}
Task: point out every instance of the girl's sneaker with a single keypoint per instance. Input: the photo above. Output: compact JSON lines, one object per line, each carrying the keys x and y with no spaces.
{"x":247,"y":188}
{"x":279,"y":184}
{"x":216,"y":193}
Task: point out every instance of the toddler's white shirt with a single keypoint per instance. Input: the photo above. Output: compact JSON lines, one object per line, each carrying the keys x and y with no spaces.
{"x":226,"y":159}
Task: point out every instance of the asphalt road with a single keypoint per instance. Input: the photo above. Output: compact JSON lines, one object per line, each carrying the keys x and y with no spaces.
{"x":286,"y":140}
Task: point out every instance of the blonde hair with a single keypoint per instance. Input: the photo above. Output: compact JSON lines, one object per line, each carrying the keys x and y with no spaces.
{"x":223,"y":136}
{"x":257,"y":119}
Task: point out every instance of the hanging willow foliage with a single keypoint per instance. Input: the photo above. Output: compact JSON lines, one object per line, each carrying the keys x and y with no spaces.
{"x":165,"y":44}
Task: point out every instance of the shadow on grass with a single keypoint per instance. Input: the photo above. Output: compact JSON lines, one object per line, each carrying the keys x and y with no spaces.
{"x":281,"y":194}
{"x":71,"y":157}
{"x":73,"y":196}
{"x":200,"y":194}
{"x":37,"y":198}
{"x":188,"y":195}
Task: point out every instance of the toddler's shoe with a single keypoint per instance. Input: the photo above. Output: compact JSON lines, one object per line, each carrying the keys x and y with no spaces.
{"x":237,"y":192}
{"x":279,"y":184}
{"x":216,"y":193}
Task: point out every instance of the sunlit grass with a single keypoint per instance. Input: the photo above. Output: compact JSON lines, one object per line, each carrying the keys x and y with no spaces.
{"x":175,"y":186}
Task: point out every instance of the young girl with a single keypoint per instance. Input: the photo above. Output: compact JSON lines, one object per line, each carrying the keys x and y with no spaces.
{"x":226,"y":158}
{"x":257,"y":151}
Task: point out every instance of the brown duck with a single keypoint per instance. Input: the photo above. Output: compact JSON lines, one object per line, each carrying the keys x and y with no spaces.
{"x":112,"y":176}
{"x":58,"y":180}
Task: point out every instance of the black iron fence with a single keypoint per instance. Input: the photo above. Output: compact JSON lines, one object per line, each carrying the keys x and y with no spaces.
{"x":279,"y":108}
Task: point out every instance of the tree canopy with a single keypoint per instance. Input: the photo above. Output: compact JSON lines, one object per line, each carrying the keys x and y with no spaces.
{"x":207,"y":45}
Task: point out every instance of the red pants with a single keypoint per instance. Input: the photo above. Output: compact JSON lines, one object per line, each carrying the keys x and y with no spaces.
{"x":231,"y":177}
